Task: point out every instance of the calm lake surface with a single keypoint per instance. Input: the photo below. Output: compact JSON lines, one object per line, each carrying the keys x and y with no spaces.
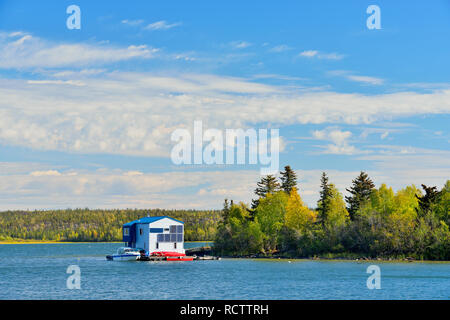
{"x":38,"y":271}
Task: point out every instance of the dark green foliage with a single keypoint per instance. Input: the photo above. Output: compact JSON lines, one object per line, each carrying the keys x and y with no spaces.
{"x":288,"y":179}
{"x":427,"y":201}
{"x":360,"y":192}
{"x":323,"y":205}
{"x":238,"y":235}
{"x":268,"y":184}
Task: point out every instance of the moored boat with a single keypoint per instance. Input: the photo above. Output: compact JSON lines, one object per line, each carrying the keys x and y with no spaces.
{"x":125,"y":254}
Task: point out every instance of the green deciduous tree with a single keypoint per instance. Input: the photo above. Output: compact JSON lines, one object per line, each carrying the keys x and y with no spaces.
{"x":270,"y":215}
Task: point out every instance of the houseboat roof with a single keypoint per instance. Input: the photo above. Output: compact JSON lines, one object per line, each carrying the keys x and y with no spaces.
{"x":149,"y":220}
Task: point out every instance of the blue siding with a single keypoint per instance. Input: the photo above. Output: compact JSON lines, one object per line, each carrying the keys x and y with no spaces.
{"x":124,"y":237}
{"x":131,"y":238}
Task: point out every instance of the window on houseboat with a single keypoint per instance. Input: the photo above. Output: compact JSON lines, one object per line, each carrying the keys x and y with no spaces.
{"x":175,"y":235}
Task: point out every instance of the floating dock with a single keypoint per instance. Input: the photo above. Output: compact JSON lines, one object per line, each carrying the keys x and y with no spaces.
{"x":199,"y":253}
{"x":164,"y":258}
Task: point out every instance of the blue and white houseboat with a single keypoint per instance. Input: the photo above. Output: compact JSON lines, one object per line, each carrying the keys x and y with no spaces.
{"x":152,"y":236}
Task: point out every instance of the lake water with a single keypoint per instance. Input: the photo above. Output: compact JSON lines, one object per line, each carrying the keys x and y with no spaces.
{"x":38,"y":271}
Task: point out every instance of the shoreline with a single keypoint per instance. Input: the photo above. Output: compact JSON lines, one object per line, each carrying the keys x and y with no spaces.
{"x":35,"y":241}
{"x":346,"y":259}
{"x":361,"y":259}
{"x":51,"y":242}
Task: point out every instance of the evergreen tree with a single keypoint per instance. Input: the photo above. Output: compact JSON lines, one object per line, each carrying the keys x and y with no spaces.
{"x":268,"y":184}
{"x":360,"y":192}
{"x":288,"y":179}
{"x":323,"y":205}
{"x":225,"y":211}
{"x":428,"y":200}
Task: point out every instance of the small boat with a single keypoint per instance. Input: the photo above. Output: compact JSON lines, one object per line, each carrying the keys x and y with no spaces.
{"x":125,"y":254}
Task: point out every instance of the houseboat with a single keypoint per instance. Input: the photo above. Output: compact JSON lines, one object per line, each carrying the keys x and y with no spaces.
{"x":156,"y":238}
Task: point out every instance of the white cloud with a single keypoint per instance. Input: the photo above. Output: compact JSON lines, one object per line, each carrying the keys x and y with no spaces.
{"x":309,"y":53}
{"x":240,"y":44}
{"x":185,"y":57}
{"x":133,"y":22}
{"x":162,"y":25}
{"x":78,"y":73}
{"x":427,"y":85}
{"x":67,"y":82}
{"x":107,"y":188}
{"x":357,"y":78}
{"x":33,"y":52}
{"x":366,"y":79}
{"x":276,"y":76}
{"x":384,"y":135}
{"x":133,"y":173}
{"x":280,"y":48}
{"x":135,"y":113}
{"x":320,"y":55}
{"x":340,"y":141}
{"x":22,"y":188}
{"x":45,"y":173}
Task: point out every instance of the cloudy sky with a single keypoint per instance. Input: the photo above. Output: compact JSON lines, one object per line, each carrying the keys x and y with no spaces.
{"x":86,"y":115}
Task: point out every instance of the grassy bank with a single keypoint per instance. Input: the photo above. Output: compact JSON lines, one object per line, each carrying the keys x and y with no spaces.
{"x":335,"y":257}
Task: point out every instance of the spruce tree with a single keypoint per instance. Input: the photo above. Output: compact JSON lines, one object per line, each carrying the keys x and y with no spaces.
{"x":360,"y":192}
{"x":426,"y":201}
{"x":226,"y":211}
{"x":323,"y":205}
{"x":268,"y":184}
{"x":288,"y":179}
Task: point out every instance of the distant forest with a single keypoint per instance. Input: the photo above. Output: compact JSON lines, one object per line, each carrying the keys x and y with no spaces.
{"x":97,"y":225}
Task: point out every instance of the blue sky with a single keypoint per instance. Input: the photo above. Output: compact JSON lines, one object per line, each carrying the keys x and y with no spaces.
{"x":86,"y":115}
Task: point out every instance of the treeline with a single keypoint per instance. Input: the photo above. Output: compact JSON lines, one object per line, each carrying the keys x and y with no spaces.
{"x":97,"y":225}
{"x":371,"y":222}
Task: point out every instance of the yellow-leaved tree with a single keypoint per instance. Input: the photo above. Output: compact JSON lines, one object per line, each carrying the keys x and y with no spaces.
{"x":337,"y":216}
{"x":298,"y":216}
